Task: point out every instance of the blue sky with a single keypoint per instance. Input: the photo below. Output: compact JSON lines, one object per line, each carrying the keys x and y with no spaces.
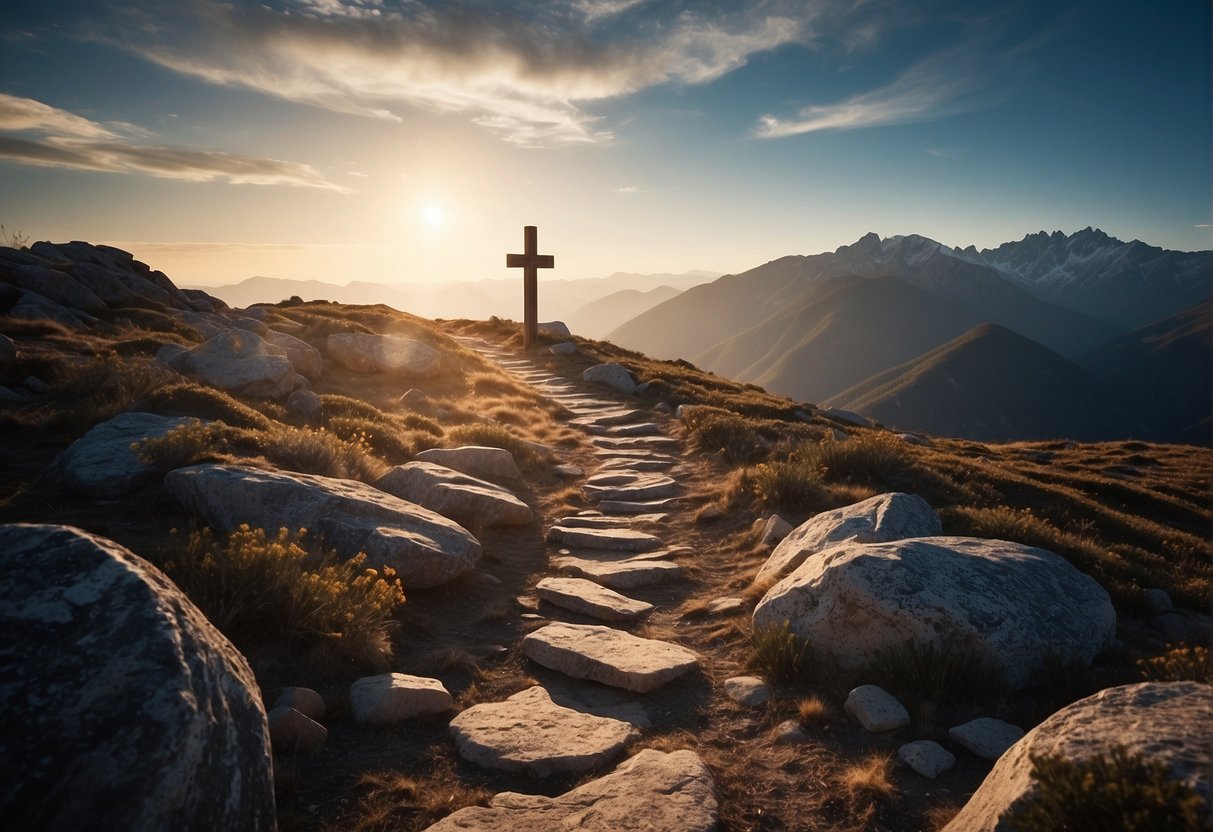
{"x":395,"y":141}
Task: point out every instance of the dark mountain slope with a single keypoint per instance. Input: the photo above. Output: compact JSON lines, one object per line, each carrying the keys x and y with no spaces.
{"x":991,"y":384}
{"x":1166,"y":366}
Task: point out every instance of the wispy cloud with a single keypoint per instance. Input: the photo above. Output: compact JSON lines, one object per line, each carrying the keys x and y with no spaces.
{"x":520,"y":70}
{"x":627,"y":189}
{"x":944,"y":84}
{"x":66,"y":140}
{"x":1202,"y":225}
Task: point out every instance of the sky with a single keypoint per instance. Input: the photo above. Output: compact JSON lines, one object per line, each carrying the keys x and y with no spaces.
{"x":410,"y":140}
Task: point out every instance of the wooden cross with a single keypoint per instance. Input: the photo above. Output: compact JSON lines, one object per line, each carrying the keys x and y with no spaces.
{"x":530,"y":263}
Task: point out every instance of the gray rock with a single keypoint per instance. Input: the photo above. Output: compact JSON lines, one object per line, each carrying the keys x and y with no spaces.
{"x":239,"y":362}
{"x":610,"y":656}
{"x":303,"y":356}
{"x":393,"y":697}
{"x":876,"y":709}
{"x":171,"y":355}
{"x":35,"y":384}
{"x":293,"y":733}
{"x":254,"y":325}
{"x":724,"y":606}
{"x":563,"y":348}
{"x":414,"y":398}
{"x":464,"y":499}
{"x":115,"y":684}
{"x":555,"y":328}
{"x":425,"y":548}
{"x":304,"y":700}
{"x":848,"y":416}
{"x":306,"y":405}
{"x":34,"y":307}
{"x":606,"y":418}
{"x":365,"y":353}
{"x":105,"y":461}
{"x":893,"y":516}
{"x":628,"y":486}
{"x":789,"y":732}
{"x":492,"y":464}
{"x":930,"y":759}
{"x":1157,"y":601}
{"x":914,"y":439}
{"x":571,"y":472}
{"x":56,"y":286}
{"x":637,"y":506}
{"x":672,"y":792}
{"x":615,"y":376}
{"x":528,"y":733}
{"x":774,"y":530}
{"x":750,"y":691}
{"x":589,"y":598}
{"x":986,"y":737}
{"x":623,"y":574}
{"x":1167,"y":722}
{"x":1011,"y":604}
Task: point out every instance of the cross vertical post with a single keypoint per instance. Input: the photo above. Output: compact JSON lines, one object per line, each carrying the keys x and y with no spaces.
{"x":531,"y":261}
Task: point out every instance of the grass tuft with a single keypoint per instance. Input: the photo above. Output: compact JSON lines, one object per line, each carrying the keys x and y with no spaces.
{"x":1181,"y":663}
{"x":868,"y":779}
{"x":779,"y":654}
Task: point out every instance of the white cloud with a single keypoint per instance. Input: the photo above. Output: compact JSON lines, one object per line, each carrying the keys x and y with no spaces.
{"x":524,"y":72}
{"x":627,"y":189}
{"x":71,"y":141}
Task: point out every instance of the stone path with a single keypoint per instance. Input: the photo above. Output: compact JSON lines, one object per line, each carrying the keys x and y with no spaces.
{"x":597,"y":556}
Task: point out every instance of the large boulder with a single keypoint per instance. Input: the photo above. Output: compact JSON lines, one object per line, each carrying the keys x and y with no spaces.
{"x":105,"y":461}
{"x":35,"y":307}
{"x":123,"y":707}
{"x":8,"y":353}
{"x":366,"y":353}
{"x":671,"y":791}
{"x":303,"y":356}
{"x":1167,"y":722}
{"x":878,"y":519}
{"x":55,"y":285}
{"x":492,"y":464}
{"x":1015,"y":605}
{"x":615,"y":376}
{"x":239,"y":362}
{"x":425,"y":548}
{"x":464,"y":499}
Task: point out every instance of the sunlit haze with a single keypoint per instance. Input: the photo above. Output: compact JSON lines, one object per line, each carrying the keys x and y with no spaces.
{"x":409,"y":141}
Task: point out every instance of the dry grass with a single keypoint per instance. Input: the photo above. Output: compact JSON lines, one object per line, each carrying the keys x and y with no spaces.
{"x":391,"y":801}
{"x":868,"y":779}
{"x":813,"y":712}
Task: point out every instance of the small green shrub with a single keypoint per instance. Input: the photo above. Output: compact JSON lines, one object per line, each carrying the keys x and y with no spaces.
{"x":320,"y":452}
{"x":872,"y":458}
{"x":257,"y":588}
{"x":793,"y":484}
{"x":779,"y":654}
{"x":189,"y":444}
{"x":1107,"y":791}
{"x":952,"y":670}
{"x":737,"y":439}
{"x":1180,"y":663}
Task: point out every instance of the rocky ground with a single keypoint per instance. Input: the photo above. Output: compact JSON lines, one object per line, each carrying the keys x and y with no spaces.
{"x":606,"y":625}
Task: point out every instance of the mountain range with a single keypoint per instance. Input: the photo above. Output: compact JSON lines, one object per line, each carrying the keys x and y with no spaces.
{"x":883,"y":320}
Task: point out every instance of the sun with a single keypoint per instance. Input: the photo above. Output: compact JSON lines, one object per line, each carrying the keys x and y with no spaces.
{"x":433,"y":215}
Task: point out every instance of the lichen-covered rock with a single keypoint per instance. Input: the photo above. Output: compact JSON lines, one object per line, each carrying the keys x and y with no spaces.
{"x":876,"y":709}
{"x":123,"y":707}
{"x":303,"y":356}
{"x":1013,"y":605}
{"x":464,"y":499}
{"x":1167,"y":722}
{"x":393,"y":697}
{"x":105,"y":461}
{"x":893,"y":516}
{"x":930,"y":759}
{"x":239,"y":362}
{"x":366,"y":353}
{"x":425,"y":548}
{"x":672,"y":792}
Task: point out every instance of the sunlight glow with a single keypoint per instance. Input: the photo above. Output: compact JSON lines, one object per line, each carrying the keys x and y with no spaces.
{"x":433,"y":215}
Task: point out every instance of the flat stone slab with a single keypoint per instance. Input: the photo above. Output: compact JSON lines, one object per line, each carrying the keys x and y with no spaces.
{"x":635,"y":464}
{"x":392,"y":697}
{"x":672,"y":792}
{"x":617,"y":540}
{"x":600,"y":522}
{"x":930,"y":759}
{"x":637,"y":453}
{"x":986,"y":737}
{"x":609,"y":656}
{"x":750,"y":691}
{"x":629,"y":485}
{"x":105,"y":463}
{"x":725,"y":606}
{"x":637,"y":429}
{"x":876,"y":709}
{"x":636,"y":506}
{"x":463,"y":498}
{"x":589,"y":598}
{"x":530,"y":734}
{"x":493,"y":464}
{"x":614,"y":416}
{"x":634,"y":443}
{"x":628,"y":574}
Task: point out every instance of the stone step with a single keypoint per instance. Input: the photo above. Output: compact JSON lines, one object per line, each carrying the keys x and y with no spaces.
{"x":637,"y":429}
{"x":607,"y":418}
{"x":628,"y":485}
{"x":619,"y":575}
{"x":637,"y":506}
{"x":601,"y":522}
{"x":618,"y":556}
{"x":588,"y":598}
{"x":608,"y":656}
{"x":632,"y":453}
{"x":530,"y":734}
{"x":616,"y":540}
{"x":633,"y":443}
{"x":635,"y":464}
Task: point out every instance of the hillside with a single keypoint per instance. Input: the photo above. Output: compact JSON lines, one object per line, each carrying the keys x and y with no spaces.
{"x":993,"y":385}
{"x":1166,"y":367}
{"x":839,"y":333}
{"x":598,"y":317}
{"x":359,"y":546}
